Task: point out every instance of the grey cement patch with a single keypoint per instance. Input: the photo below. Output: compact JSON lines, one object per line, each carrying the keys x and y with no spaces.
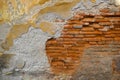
{"x":93,"y":8}
{"x":30,"y":51}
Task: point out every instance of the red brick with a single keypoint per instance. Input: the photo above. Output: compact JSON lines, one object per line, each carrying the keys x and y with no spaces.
{"x":57,"y":63}
{"x":74,"y":22}
{"x":90,"y":36}
{"x":71,"y":39}
{"x":54,"y":51}
{"x":115,"y":32}
{"x":67,"y":26}
{"x":114,"y":19}
{"x":107,"y":39}
{"x":78,"y":16}
{"x":105,"y":23}
{"x":93,"y":43}
{"x":53,"y":48}
{"x":77,"y":26}
{"x":107,"y":14}
{"x":92,"y":39}
{"x":117,"y":38}
{"x":87,"y":29}
{"x":99,"y":16}
{"x":102,"y":20}
{"x":110,"y":36}
{"x":88,"y":20}
{"x":91,"y":33}
{"x":117,"y":13}
{"x":86,"y":23}
{"x":97,"y":26}
{"x":67,"y":36}
{"x":79,"y":36}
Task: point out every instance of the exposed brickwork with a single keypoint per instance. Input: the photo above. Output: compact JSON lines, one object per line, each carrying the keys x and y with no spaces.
{"x":84,"y":31}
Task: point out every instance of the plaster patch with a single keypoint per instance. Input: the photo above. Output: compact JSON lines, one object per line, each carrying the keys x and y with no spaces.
{"x":30,"y":49}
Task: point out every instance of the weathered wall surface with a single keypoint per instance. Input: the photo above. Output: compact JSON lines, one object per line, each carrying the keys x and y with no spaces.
{"x":82,"y":39}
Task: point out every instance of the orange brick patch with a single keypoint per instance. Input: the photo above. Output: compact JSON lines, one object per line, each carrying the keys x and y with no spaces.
{"x":80,"y":32}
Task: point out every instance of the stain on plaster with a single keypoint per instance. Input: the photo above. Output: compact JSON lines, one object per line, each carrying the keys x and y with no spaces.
{"x":47,"y":27}
{"x":61,"y":7}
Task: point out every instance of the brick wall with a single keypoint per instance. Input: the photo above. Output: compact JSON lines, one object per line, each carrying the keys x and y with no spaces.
{"x":97,"y":34}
